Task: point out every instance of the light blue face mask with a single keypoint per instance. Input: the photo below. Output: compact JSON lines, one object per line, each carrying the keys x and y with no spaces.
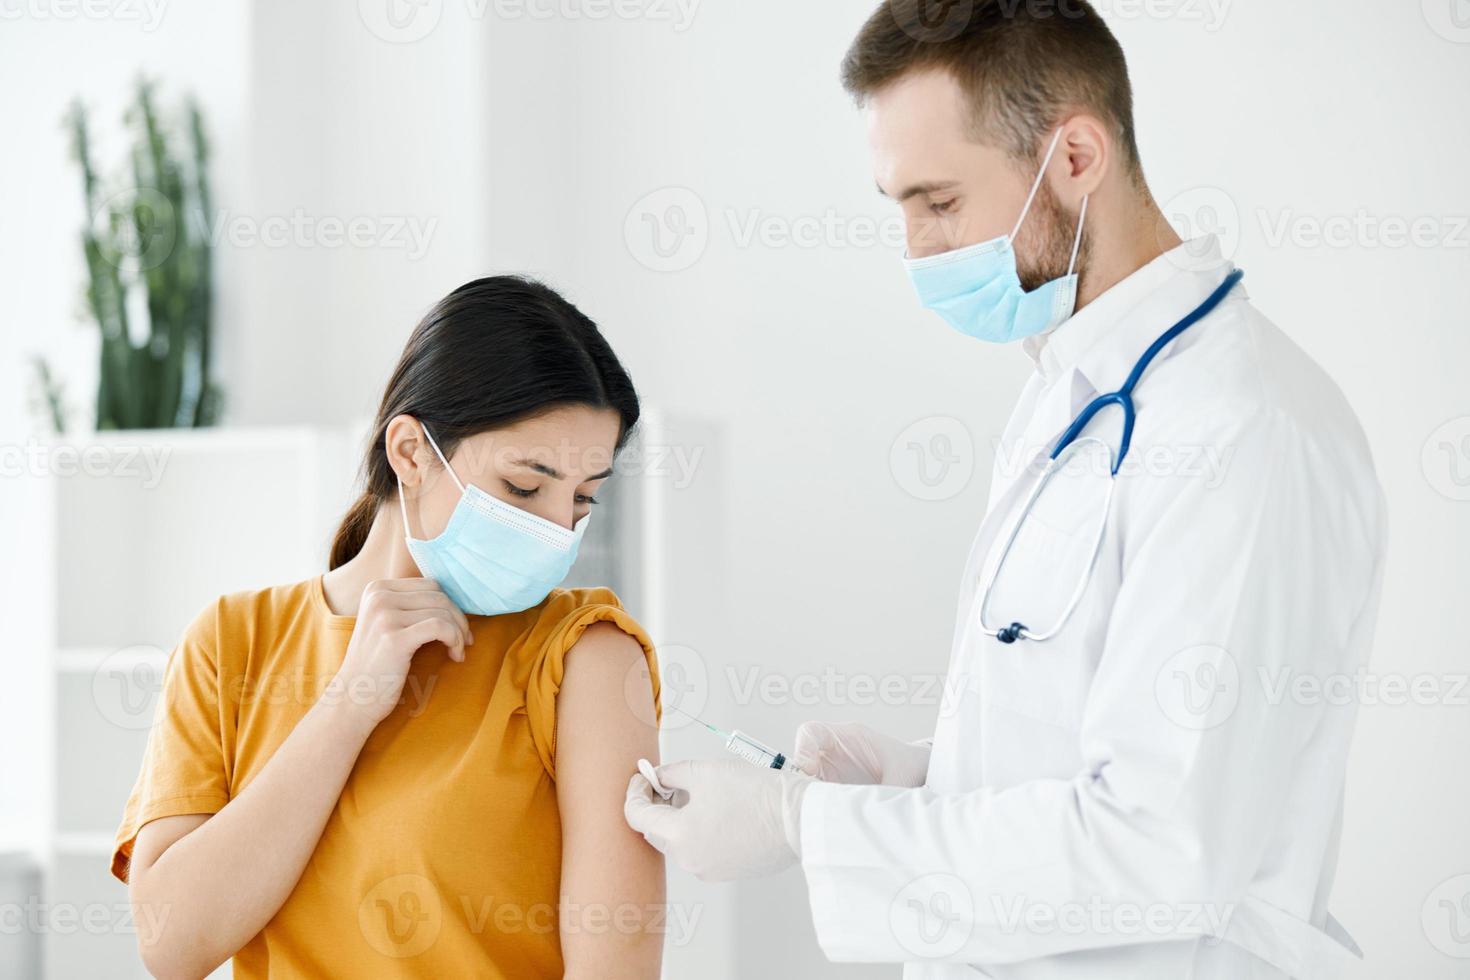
{"x":978,"y":291}
{"x":491,"y":557}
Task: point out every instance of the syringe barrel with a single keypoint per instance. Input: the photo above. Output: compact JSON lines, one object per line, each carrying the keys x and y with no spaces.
{"x":754,"y":752}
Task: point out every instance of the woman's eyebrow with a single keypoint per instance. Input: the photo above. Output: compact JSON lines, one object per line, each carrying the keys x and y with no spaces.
{"x":540,"y":467}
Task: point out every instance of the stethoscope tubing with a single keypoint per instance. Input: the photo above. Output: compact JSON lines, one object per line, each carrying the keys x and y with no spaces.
{"x":1123,"y":398}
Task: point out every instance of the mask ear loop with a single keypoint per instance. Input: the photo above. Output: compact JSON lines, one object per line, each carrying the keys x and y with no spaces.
{"x":403,"y":507}
{"x":1036,"y":184}
{"x":1077,"y":241}
{"x":435,"y":446}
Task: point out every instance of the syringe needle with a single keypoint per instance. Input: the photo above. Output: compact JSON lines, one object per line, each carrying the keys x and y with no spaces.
{"x":691,"y":717}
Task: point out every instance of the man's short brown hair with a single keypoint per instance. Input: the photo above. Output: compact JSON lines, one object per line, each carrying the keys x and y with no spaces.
{"x":1021,"y":64}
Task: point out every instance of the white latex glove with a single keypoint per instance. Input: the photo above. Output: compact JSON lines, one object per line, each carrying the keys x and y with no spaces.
{"x":854,"y":753}
{"x":726,"y":820}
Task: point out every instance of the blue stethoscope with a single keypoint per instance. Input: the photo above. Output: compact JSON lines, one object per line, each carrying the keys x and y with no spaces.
{"x":1067,"y":444}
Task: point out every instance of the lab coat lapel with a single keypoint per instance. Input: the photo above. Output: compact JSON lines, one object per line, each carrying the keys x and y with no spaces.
{"x":1023,"y":450}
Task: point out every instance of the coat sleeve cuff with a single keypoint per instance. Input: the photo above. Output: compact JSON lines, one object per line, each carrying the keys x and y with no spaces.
{"x":821,"y":878}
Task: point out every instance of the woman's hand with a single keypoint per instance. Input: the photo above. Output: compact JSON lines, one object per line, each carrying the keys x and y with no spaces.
{"x":395,"y":619}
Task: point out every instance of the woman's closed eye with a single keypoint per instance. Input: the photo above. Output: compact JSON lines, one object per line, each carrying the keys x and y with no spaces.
{"x":523,"y":492}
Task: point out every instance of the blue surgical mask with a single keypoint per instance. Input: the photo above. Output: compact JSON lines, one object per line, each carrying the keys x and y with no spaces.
{"x":492,"y":558}
{"x":978,"y":291}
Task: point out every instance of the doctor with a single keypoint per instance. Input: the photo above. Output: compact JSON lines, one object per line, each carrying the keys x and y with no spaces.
{"x":1138,"y":768}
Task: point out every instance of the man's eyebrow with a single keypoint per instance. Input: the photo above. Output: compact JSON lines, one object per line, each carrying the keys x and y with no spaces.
{"x":557,"y":474}
{"x":926,"y":187}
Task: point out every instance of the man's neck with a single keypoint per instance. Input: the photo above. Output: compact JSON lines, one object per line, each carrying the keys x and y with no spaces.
{"x":1140,"y":234}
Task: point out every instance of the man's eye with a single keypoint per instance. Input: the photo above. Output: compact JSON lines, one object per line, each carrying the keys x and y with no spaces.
{"x":582,"y":498}
{"x":941,"y":207}
{"x":520,"y":492}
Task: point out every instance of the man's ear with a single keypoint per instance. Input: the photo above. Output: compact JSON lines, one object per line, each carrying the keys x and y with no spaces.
{"x":1082,"y":160}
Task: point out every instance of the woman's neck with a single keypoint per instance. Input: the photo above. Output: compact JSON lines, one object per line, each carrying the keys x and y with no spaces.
{"x":384,"y":555}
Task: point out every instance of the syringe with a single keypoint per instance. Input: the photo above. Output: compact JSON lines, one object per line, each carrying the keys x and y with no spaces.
{"x":749,"y":749}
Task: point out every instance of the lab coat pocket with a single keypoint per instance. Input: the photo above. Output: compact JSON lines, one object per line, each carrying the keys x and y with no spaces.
{"x":1049,"y":563}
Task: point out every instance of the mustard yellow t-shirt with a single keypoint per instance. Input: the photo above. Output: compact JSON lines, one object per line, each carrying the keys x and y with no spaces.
{"x":442,"y":857}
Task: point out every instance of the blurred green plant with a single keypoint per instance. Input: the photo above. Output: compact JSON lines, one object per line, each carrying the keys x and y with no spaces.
{"x":148,"y":259}
{"x":47,"y":397}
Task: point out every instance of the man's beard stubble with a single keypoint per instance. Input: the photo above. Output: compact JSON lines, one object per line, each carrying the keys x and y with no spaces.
{"x":1048,"y":242}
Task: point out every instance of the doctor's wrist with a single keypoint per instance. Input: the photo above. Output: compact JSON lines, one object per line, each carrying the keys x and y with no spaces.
{"x":793,"y":790}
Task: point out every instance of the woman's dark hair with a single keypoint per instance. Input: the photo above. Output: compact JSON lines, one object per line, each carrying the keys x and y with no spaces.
{"x":492,"y":353}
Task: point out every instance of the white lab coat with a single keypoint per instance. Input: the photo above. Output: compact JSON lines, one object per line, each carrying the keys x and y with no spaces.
{"x":1156,"y":791}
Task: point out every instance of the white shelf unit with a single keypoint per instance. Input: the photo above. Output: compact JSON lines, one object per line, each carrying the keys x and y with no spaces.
{"x":107,"y":567}
{"x":128,"y":536}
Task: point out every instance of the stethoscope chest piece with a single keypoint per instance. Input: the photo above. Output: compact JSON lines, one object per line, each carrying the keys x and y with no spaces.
{"x":1054,"y":466}
{"x":1011,"y":633}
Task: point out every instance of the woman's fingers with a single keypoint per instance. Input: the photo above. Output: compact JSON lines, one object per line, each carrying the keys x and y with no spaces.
{"x":435,"y":627}
{"x":418,"y":584}
{"x":423,"y":593}
{"x":434,"y":600}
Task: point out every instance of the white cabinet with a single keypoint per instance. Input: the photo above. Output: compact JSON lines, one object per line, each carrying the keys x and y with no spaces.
{"x":120,"y":542}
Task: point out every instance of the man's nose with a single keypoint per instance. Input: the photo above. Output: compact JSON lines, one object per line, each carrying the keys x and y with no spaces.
{"x":923,"y":238}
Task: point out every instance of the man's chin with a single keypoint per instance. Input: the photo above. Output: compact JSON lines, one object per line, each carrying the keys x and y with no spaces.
{"x":1035,"y":280}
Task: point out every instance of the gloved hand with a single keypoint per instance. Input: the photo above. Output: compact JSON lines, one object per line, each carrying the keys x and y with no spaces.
{"x":727,"y":819}
{"x":854,"y":753}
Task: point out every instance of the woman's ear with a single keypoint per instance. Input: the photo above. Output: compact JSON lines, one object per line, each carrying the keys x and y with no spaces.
{"x":404,"y":444}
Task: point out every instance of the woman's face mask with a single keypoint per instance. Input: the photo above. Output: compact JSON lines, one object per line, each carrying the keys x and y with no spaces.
{"x":495,"y":557}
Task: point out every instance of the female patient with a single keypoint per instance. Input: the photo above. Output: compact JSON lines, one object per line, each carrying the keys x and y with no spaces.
{"x":414,"y":765}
